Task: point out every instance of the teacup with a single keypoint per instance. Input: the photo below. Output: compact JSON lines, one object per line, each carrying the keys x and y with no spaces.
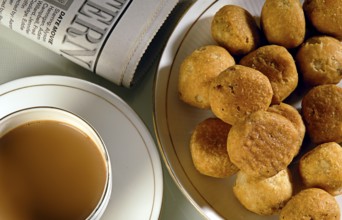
{"x":55,"y":164}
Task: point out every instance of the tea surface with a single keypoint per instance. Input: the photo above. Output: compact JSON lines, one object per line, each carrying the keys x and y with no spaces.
{"x":49,"y":170}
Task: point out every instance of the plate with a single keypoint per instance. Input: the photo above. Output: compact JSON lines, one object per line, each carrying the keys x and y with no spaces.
{"x":175,"y":121}
{"x":137,"y":177}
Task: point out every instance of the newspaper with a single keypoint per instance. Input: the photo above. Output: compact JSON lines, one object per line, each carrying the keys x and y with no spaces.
{"x":108,"y":37}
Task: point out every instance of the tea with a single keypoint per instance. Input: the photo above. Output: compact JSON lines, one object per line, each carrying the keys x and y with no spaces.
{"x":49,"y":170}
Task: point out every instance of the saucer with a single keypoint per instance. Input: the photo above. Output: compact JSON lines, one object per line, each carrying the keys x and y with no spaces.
{"x":175,"y":121}
{"x":137,"y":179}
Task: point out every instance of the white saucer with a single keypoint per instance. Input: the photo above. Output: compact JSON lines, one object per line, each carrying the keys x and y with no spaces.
{"x":174,"y":120}
{"x":137,"y":174}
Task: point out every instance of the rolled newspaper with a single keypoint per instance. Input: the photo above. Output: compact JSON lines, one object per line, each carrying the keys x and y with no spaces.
{"x":108,"y":37}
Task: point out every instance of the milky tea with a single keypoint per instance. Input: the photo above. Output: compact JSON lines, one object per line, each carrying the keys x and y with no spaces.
{"x":50,"y":169}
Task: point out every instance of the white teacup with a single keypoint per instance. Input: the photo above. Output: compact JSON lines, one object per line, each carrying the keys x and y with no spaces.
{"x":29,"y":115}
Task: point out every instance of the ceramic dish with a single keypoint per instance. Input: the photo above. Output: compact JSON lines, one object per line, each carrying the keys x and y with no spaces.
{"x":137,"y":179}
{"x":175,"y":121}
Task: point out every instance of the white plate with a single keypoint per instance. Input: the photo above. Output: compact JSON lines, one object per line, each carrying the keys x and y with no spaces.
{"x":175,"y":121}
{"x":137,"y":174}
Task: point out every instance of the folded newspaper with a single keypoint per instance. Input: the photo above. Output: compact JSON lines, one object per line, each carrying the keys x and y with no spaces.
{"x":108,"y":37}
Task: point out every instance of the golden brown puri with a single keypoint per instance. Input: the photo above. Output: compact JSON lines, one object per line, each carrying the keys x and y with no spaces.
{"x":263,"y":196}
{"x":283,"y":22}
{"x":322,"y":168}
{"x":264,"y":144}
{"x":198,"y":70}
{"x":277,"y":64}
{"x":320,"y":60}
{"x":291,"y":114}
{"x":325,"y":16}
{"x":235,"y":29}
{"x":322,"y":113}
{"x":312,"y":203}
{"x":208,"y":146}
{"x":237,"y":92}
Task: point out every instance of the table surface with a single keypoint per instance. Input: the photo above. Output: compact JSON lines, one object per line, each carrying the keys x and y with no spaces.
{"x":20,"y":57}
